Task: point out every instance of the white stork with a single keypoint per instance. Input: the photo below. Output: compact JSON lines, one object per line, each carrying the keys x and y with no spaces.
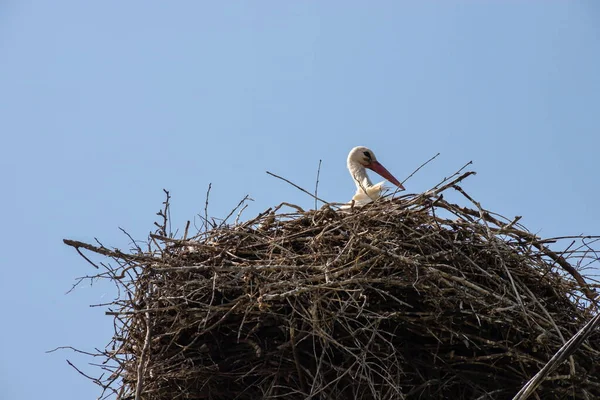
{"x":359,"y":159}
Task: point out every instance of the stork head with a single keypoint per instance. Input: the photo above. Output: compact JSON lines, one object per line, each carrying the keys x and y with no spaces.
{"x":366,"y":158}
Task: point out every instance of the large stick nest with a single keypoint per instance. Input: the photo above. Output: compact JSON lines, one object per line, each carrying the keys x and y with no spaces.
{"x":413,"y":298}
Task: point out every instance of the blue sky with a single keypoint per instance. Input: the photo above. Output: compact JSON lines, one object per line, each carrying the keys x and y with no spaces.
{"x":104,"y":104}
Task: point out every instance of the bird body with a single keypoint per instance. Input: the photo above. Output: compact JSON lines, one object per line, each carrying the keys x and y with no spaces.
{"x":359,"y":159}
{"x":370,"y":194}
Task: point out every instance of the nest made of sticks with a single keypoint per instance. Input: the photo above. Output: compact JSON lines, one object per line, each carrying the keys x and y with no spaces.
{"x":413,"y":298}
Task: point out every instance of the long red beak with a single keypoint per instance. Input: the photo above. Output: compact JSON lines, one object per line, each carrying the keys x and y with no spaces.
{"x":380,"y":169}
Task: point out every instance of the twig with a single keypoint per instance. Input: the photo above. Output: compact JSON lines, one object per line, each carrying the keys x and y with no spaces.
{"x":75,"y":350}
{"x":421,"y":166}
{"x":239,"y":214}
{"x":317,"y":184}
{"x":164,"y":213}
{"x":82,"y":255}
{"x":205,"y":223}
{"x":453,"y":175}
{"x":187,"y":227}
{"x":137,"y":247}
{"x":454,"y":182}
{"x":298,"y":187}
{"x":106,"y":252}
{"x":96,"y":380}
{"x":222,"y":224}
{"x":143,"y":360}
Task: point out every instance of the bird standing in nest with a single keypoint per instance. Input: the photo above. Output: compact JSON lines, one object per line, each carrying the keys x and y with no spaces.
{"x":359,"y":159}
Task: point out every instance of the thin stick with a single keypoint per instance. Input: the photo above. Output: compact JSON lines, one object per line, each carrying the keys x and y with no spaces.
{"x":165,"y":214}
{"x":205,"y":222}
{"x":317,"y":184}
{"x":241,"y":203}
{"x":84,"y":257}
{"x":168,"y":212}
{"x":137,"y":247}
{"x":97,"y":381}
{"x":298,"y":187}
{"x":453,"y":175}
{"x":187,"y":227}
{"x":237,"y":219}
{"x":454,"y":182}
{"x":422,"y":165}
{"x":142,"y":361}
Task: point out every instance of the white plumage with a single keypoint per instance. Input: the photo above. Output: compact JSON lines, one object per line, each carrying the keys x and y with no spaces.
{"x":359,"y":159}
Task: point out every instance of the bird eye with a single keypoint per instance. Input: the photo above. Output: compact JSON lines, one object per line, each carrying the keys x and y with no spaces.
{"x":368,"y":155}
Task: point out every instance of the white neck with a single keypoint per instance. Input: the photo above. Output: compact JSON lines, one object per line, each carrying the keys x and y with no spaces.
{"x":359,"y":174}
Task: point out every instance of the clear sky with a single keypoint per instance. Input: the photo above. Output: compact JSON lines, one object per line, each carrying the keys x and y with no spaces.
{"x":103,"y":104}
